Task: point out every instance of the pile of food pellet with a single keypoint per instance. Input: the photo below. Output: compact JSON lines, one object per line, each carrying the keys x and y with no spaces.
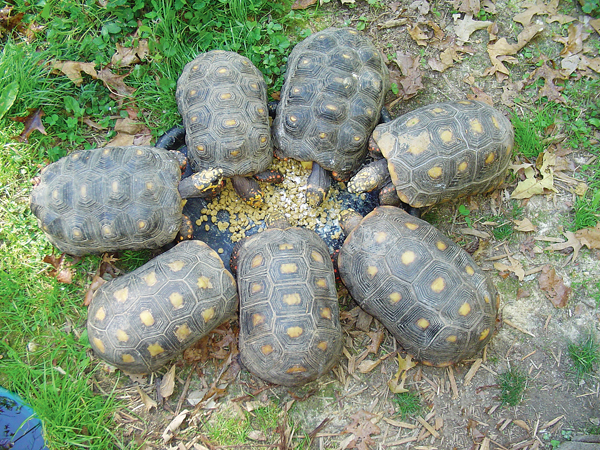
{"x":289,"y":197}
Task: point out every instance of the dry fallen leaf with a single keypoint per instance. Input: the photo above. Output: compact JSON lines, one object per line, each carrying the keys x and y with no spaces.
{"x":404,"y":365}
{"x":500,"y":51}
{"x":540,"y":7}
{"x":167,"y":385}
{"x":174,"y":426}
{"x":572,"y":241}
{"x":470,"y":7}
{"x":73,"y":69}
{"x":362,"y":428}
{"x":148,"y":402}
{"x":590,"y":237}
{"x":32,"y":122}
{"x":531,"y":185}
{"x":376,"y":340}
{"x":553,"y":287}
{"x":418,"y":34}
{"x":127,"y":56}
{"x":303,"y":4}
{"x":524,"y":225}
{"x":464,"y":28}
{"x":480,"y":95}
{"x":550,"y":90}
{"x":115,"y":83}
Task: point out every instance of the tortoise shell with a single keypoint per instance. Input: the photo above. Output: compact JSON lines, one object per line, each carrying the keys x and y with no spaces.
{"x":108,"y":199}
{"x":290,"y":330}
{"x":333,"y":92}
{"x":222,"y":98}
{"x":141,"y":320}
{"x":420,"y":285}
{"x":446,"y":150}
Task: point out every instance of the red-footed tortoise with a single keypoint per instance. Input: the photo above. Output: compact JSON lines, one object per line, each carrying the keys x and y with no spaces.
{"x":437,"y":153}
{"x":114,"y":198}
{"x":290,"y":330}
{"x":419,"y":284}
{"x":334,"y":89}
{"x":139,"y":321}
{"x":222,"y":98}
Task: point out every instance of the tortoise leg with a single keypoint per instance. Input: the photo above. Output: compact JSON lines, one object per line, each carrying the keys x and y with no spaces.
{"x":269,"y":176}
{"x":248,"y":189}
{"x":389,"y":196}
{"x":416,"y":212}
{"x":186,"y":230}
{"x":370,"y":177}
{"x":317,"y":185}
{"x":201,"y":184}
{"x":385,"y":116}
{"x":272,"y":107}
{"x":172,"y":139}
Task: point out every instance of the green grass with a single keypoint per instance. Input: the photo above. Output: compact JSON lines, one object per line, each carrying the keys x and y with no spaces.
{"x":585,"y":355}
{"x":530,"y":131}
{"x":408,"y":404}
{"x":512,"y":384}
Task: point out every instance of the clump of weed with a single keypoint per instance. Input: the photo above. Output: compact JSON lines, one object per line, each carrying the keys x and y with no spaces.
{"x":512,"y":384}
{"x":585,"y":354}
{"x":408,"y":404}
{"x":529,"y":131}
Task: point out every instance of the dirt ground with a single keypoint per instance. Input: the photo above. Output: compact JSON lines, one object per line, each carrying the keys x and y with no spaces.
{"x":349,"y":409}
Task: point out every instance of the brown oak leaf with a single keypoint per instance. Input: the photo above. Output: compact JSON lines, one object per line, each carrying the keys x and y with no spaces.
{"x":32,"y":122}
{"x":539,"y":8}
{"x":464,"y":28}
{"x":479,"y":94}
{"x":362,"y":428}
{"x":501,"y":51}
{"x":115,"y":83}
{"x":411,"y":77}
{"x":553,"y":287}
{"x":10,"y":22}
{"x":303,"y":4}
{"x":573,"y":42}
{"x":127,"y":56}
{"x":468,"y":6}
{"x":550,"y":90}
{"x":590,"y":237}
{"x":73,"y":69}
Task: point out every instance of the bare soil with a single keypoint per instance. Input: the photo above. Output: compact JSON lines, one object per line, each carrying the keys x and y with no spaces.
{"x":462,"y":410}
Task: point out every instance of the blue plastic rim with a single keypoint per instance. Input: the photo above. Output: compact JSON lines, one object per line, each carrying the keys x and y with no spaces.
{"x":20,"y":429}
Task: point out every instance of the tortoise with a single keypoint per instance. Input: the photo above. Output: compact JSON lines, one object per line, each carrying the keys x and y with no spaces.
{"x":222,"y":98}
{"x":333,"y":92}
{"x":114,"y":198}
{"x":425,"y":289}
{"x":437,"y":153}
{"x":290,"y":330}
{"x":139,"y":321}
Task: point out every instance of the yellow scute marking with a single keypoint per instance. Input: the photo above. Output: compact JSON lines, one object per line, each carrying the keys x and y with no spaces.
{"x":419,"y":144}
{"x":176,"y":266}
{"x":462,"y":166}
{"x":204,"y":283}
{"x":446,"y":136}
{"x":294,"y":332}
{"x":495,"y":122}
{"x":256,"y":261}
{"x":266,"y":349}
{"x":408,"y":257}
{"x":395,"y":297}
{"x":451,"y":338}
{"x":99,"y":345}
{"x":380,"y":237}
{"x":402,"y":196}
{"x":435,"y":172}
{"x":385,"y":141}
{"x":150,"y":279}
{"x":423,"y":323}
{"x":208,"y":314}
{"x":484,"y":334}
{"x":292,"y":299}
{"x":476,"y":126}
{"x":316,"y":256}
{"x":296,"y":369}
{"x":411,"y":226}
{"x":464,"y":309}
{"x":121,"y":295}
{"x":372,"y":271}
{"x":255,"y":288}
{"x":127,"y":358}
{"x":490,"y":158}
{"x":326,"y":313}
{"x":230,"y":123}
{"x":322,"y":345}
{"x":289,"y":268}
{"x":438,"y":285}
{"x":438,"y":110}
{"x":155,"y":349}
{"x":182,"y":332}
{"x":84,"y":190}
{"x":146,"y":318}
{"x":257,"y":319}
{"x":412,"y":122}
{"x":122,"y":335}
{"x":286,"y":246}
{"x":441,"y":245}
{"x":100,"y":314}
{"x":176,"y":300}
{"x":321,"y":282}
{"x":469,"y":270}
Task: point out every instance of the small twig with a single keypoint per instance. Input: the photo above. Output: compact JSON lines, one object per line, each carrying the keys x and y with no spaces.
{"x":185,"y":389}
